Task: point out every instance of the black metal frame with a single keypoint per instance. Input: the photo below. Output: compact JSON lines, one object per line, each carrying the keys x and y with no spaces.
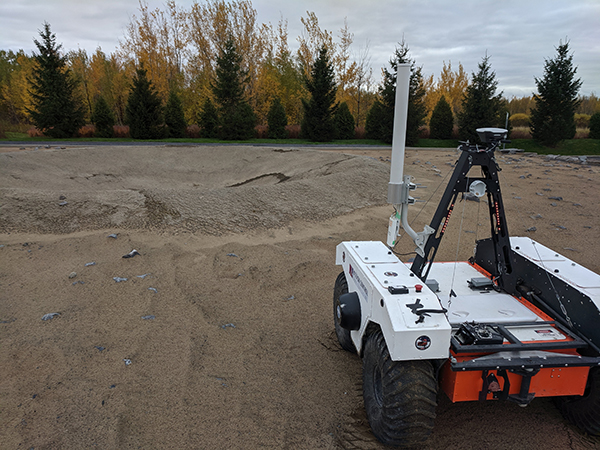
{"x":526,"y":367}
{"x":472,"y":155}
{"x":515,"y":344}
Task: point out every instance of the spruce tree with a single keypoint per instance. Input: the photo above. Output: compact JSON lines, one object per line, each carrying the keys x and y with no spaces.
{"x":441,"y":123}
{"x":56,"y":110}
{"x":552,"y":117}
{"x":277,"y":120}
{"x":143,"y":112}
{"x":595,"y":126}
{"x":380,"y":123}
{"x":103,"y":118}
{"x":375,"y":116}
{"x":236,"y":117}
{"x":209,"y":120}
{"x":344,"y":122}
{"x":174,"y":117}
{"x":481,"y":107}
{"x":318,"y":122}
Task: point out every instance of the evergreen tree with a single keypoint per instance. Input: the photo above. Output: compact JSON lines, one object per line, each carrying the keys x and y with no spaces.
{"x":380,"y":122}
{"x":143,"y":112}
{"x":552,"y":117}
{"x":375,"y":117}
{"x":318,"y":122}
{"x":103,"y":118}
{"x":344,"y":122}
{"x":595,"y":126}
{"x":56,"y":110}
{"x":243,"y":123}
{"x":442,"y":120}
{"x":277,"y":120}
{"x":236,"y":116}
{"x":481,"y":107}
{"x":174,"y":117}
{"x":209,"y":120}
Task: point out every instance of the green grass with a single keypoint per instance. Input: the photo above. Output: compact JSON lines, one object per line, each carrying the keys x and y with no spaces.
{"x":438,"y":143}
{"x":568,"y":147}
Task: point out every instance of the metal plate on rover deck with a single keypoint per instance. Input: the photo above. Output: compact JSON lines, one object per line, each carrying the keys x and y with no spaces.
{"x":373,"y":252}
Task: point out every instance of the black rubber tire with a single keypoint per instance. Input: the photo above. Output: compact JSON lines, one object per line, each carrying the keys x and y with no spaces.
{"x":584,"y":411}
{"x":343,"y":335}
{"x":400,"y":396}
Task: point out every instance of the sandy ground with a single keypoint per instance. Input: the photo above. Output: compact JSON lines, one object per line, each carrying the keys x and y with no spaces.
{"x":236,"y":271}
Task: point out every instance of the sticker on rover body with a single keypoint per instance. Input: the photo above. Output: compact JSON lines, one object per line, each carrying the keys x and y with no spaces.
{"x":390,"y":274}
{"x":423,"y":343}
{"x":358,"y":281}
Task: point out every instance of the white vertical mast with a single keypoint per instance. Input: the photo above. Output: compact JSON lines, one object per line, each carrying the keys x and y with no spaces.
{"x":399,"y":185}
{"x":399,"y":136}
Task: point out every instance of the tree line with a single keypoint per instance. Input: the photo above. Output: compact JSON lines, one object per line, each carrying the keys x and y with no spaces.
{"x":214,"y":65}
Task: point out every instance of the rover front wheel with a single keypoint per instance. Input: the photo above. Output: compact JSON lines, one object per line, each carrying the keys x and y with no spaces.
{"x":343,"y":335}
{"x":399,"y":396}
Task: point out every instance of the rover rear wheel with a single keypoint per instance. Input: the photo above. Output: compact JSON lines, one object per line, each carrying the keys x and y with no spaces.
{"x":584,"y":411}
{"x":399,"y":396}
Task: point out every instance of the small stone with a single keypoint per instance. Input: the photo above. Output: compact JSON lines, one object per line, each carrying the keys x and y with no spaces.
{"x":114,"y":236}
{"x":119,"y":279}
{"x":100,"y":349}
{"x":63,"y":203}
{"x":232,"y":255}
{"x":72,"y":275}
{"x":62,"y":197}
{"x":90,"y":264}
{"x":546,"y":189}
{"x":577,"y":204}
{"x":537,"y":216}
{"x":539,"y":193}
{"x":555,"y":198}
{"x":531,"y":229}
{"x":228,"y":325}
{"x":153,"y":290}
{"x":127,"y":361}
{"x":131,"y":254}
{"x":50,"y":316}
{"x":517,"y":198}
{"x":151,"y":317}
{"x":553,"y":204}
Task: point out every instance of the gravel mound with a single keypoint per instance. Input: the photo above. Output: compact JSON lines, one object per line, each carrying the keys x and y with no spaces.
{"x":212,"y":190}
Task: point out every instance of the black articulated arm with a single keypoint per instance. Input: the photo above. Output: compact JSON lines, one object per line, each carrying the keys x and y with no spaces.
{"x":460,"y":182}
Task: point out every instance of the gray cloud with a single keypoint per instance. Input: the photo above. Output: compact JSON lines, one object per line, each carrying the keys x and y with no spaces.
{"x":518,"y":35}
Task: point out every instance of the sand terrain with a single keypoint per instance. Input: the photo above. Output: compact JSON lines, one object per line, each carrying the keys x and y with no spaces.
{"x":236,"y":271}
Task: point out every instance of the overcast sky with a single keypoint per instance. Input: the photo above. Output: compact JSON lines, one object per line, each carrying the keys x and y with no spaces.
{"x":518,"y":35}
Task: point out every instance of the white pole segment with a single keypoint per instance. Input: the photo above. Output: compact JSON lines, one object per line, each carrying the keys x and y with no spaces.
{"x":400,"y":116}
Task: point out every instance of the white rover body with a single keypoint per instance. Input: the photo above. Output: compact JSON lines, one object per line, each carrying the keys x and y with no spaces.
{"x":521,"y":321}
